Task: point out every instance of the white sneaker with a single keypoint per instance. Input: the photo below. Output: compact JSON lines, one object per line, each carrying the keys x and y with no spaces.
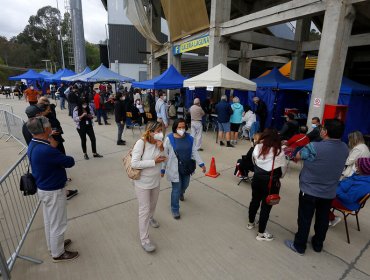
{"x":153,"y":223}
{"x":251,"y":225}
{"x":264,"y":236}
{"x":148,"y":247}
{"x":334,"y":222}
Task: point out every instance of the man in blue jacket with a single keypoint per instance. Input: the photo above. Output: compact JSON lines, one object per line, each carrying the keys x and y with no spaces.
{"x":224,"y":111}
{"x":48,"y":168}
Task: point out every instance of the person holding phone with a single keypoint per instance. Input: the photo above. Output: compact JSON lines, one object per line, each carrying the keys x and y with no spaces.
{"x":83,"y":116}
{"x":147,"y":155}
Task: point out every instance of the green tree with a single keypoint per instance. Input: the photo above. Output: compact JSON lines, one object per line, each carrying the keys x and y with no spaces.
{"x":41,"y":34}
{"x":92,"y":55}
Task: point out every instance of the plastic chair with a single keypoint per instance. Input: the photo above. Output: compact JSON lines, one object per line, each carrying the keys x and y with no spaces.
{"x":149,"y":116}
{"x":346,"y":212}
{"x":131,"y":124}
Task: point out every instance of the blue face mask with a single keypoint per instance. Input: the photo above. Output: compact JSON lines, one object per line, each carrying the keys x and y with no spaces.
{"x":314,"y":125}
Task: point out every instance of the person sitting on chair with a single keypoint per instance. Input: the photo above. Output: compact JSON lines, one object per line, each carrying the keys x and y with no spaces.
{"x":351,"y":190}
{"x":249,"y":118}
{"x":245,"y":164}
{"x":290,"y":128}
{"x":296,"y":142}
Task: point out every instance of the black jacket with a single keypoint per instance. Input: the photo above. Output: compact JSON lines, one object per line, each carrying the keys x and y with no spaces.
{"x":120,"y":111}
{"x":289,"y":129}
{"x":261,"y":110}
{"x":314,"y":135}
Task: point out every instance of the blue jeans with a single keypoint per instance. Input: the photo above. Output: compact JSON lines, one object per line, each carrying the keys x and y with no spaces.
{"x":62,"y":103}
{"x":101,"y":113}
{"x":178,"y":188}
{"x":120,"y":127}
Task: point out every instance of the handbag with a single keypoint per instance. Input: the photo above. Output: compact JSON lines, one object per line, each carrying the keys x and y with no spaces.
{"x":272,"y":199}
{"x":132,"y":173}
{"x":185,"y":167}
{"x":27,"y":182}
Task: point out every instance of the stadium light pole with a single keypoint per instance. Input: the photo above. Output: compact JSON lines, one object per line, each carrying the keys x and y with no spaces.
{"x":60,"y":37}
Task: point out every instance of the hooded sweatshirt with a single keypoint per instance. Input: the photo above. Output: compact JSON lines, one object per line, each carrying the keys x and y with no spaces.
{"x":352,"y":189}
{"x":237,"y":115}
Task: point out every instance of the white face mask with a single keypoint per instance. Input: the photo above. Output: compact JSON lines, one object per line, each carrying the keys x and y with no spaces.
{"x":314,"y":125}
{"x":31,"y":88}
{"x":122,"y":98}
{"x":158,"y":136}
{"x":180,"y":132}
{"x":84,"y":106}
{"x":164,"y":98}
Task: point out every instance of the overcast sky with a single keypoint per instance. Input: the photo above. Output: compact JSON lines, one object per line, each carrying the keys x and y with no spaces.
{"x":15,"y":15}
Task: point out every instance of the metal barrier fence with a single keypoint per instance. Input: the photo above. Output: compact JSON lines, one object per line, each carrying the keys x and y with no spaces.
{"x":6,"y":107}
{"x":11,"y":126}
{"x":17,"y":213}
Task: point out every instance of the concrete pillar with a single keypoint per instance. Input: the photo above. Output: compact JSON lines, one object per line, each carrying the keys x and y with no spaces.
{"x":78,"y":35}
{"x":338,"y":20}
{"x":175,"y":60}
{"x":154,"y":68}
{"x":218,"y":46}
{"x":302,"y":32}
{"x":244,"y":62}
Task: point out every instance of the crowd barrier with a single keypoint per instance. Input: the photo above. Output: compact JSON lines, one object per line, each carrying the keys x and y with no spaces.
{"x":6,"y":107}
{"x":11,"y":127}
{"x":17,"y":212}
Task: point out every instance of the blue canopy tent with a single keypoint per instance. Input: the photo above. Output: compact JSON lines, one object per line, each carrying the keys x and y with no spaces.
{"x":356,"y":96}
{"x":75,"y":77}
{"x":268,"y":90}
{"x":30,"y":75}
{"x":57,"y":77}
{"x":170,"y":79}
{"x":103,"y":74}
{"x":46,"y":73}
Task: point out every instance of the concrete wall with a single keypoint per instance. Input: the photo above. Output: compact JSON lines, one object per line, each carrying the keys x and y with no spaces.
{"x":129,"y":70}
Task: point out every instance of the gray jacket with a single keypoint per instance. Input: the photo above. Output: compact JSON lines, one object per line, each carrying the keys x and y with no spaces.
{"x":170,"y":167}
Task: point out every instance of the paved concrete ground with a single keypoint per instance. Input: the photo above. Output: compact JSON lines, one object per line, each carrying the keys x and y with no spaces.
{"x":209,"y":242}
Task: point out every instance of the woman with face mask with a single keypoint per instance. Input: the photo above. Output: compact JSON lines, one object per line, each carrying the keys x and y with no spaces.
{"x":182,"y":158}
{"x":140,"y":108}
{"x":147,"y":155}
{"x":83,"y":116}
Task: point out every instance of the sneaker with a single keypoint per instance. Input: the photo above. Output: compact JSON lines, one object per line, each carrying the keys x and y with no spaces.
{"x":222,"y":143}
{"x":334,"y":222}
{"x":67,"y":243}
{"x":121,"y":143}
{"x":176,"y":216}
{"x":290,"y":245}
{"x":251,"y":225}
{"x":107,"y":123}
{"x":200,"y":150}
{"x":66,"y":256}
{"x":148,"y":247}
{"x":230,"y":146}
{"x":86,"y":156}
{"x":182,"y":198}
{"x":71,"y":193}
{"x":153,"y":223}
{"x":97,"y":155}
{"x":264,"y":236}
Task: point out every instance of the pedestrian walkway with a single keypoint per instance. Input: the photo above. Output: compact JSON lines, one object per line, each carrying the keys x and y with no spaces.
{"x":209,"y":242}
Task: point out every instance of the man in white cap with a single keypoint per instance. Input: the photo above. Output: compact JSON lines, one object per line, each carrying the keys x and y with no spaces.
{"x":197,"y":113}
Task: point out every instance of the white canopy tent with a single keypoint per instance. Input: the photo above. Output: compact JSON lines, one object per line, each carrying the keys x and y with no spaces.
{"x":221,"y":76}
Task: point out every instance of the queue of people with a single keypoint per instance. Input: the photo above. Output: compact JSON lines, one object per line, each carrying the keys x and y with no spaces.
{"x":325,"y":158}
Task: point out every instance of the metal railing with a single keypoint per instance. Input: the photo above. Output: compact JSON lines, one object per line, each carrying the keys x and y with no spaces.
{"x":17,"y":213}
{"x":6,"y":107}
{"x":11,"y":126}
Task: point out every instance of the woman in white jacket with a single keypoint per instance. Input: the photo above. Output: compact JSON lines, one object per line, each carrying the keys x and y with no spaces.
{"x":147,"y":155}
{"x":179,"y":146}
{"x":358,"y":149}
{"x":267,"y":155}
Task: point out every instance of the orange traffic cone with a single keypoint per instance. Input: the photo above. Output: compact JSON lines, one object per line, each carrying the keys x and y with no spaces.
{"x":212,"y":170}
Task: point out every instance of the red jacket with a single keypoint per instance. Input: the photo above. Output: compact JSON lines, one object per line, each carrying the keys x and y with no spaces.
{"x":97,"y":101}
{"x":298,"y":140}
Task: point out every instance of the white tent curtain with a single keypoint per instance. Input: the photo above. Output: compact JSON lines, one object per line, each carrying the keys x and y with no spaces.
{"x":221,"y":76}
{"x":135,"y":12}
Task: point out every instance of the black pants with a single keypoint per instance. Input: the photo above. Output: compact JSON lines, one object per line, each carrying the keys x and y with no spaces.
{"x":90,"y":132}
{"x":259,"y":194}
{"x":308,"y":205}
